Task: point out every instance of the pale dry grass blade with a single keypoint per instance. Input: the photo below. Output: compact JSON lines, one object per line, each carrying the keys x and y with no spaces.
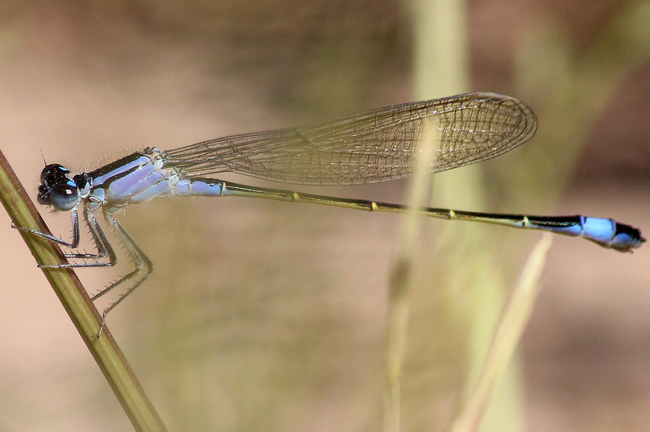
{"x":398,"y":306}
{"x":512,"y":323}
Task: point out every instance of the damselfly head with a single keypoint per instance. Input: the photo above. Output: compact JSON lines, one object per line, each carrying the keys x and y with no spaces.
{"x":57,"y":189}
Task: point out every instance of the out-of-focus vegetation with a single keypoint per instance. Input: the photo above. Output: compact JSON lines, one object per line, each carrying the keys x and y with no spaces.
{"x":272,"y":316}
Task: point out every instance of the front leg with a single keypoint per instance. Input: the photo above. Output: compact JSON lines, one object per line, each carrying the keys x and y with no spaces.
{"x":104,"y":248}
{"x":75,"y":233}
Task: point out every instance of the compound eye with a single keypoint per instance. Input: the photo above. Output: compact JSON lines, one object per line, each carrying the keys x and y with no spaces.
{"x":64,"y":197}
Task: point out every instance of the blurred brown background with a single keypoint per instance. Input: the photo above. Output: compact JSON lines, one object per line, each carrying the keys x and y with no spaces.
{"x":270,"y":316}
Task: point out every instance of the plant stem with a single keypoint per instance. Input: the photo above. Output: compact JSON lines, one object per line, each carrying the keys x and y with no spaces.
{"x":77,"y":303}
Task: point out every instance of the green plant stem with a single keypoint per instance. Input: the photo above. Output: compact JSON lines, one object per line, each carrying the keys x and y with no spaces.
{"x":77,"y":303}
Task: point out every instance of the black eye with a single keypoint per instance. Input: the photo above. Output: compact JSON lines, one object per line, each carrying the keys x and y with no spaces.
{"x":64,"y":197}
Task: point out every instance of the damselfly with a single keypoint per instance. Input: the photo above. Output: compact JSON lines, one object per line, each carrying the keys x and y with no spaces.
{"x":369,"y":147}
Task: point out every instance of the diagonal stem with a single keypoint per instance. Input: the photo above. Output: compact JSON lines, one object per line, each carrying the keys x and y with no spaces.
{"x":77,"y":303}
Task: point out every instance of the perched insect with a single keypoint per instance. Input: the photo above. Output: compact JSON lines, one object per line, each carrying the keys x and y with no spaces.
{"x":369,"y":147}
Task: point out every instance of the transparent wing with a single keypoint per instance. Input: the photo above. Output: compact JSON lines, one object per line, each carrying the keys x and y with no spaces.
{"x":369,"y":147}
